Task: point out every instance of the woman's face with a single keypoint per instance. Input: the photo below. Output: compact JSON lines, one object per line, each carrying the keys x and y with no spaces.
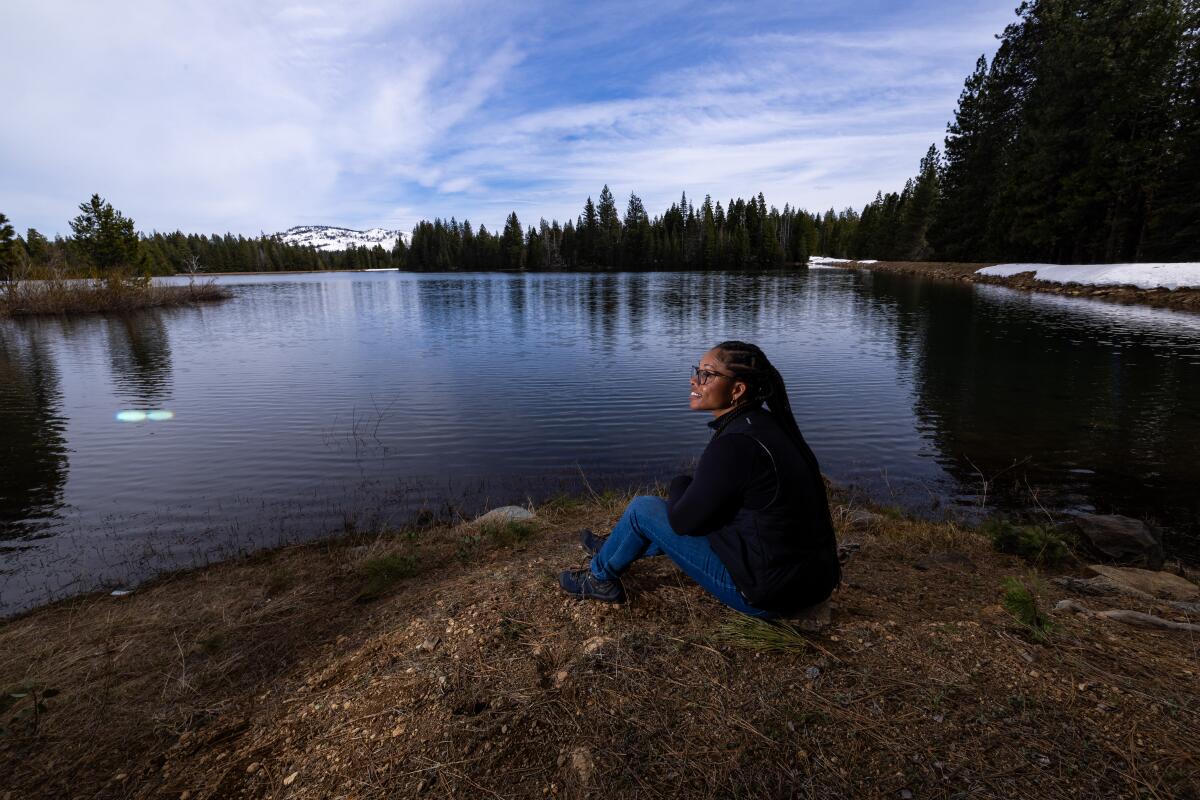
{"x":719,"y":392}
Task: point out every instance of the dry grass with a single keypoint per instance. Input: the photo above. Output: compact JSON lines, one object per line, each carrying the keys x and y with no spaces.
{"x":61,"y":296}
{"x":477,"y":678}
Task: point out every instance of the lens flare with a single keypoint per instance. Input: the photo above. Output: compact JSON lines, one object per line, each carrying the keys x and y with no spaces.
{"x":135,"y":415}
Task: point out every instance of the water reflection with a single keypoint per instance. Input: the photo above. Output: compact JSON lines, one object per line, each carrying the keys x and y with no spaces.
{"x":312,"y":399}
{"x":1053,"y":403}
{"x":140,"y":350}
{"x":33,"y":450}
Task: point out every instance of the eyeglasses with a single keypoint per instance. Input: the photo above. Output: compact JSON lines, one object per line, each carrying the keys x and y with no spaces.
{"x":702,"y":376}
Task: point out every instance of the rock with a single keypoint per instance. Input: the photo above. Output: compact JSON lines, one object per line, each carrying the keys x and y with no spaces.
{"x":1122,"y":539}
{"x":813,"y":619}
{"x":947,"y":559}
{"x":428,"y":645}
{"x":505,"y":514}
{"x":846,"y":550}
{"x":560,"y":678}
{"x":1157,"y":584}
{"x":596,"y":645}
{"x":583,"y":765}
{"x":253,"y":768}
{"x":1099,"y":585}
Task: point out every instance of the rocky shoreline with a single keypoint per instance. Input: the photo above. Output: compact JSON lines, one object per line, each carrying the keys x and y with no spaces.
{"x":444,"y":662}
{"x":1182,"y":299}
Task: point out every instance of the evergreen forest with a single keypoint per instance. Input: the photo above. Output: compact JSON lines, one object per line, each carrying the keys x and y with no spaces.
{"x":1079,"y":142}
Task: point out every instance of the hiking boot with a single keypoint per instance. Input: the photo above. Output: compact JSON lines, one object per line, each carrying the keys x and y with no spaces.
{"x":583,"y":584}
{"x":590,"y":542}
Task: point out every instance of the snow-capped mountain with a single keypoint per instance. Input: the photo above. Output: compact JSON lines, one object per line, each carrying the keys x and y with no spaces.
{"x":328,"y":237}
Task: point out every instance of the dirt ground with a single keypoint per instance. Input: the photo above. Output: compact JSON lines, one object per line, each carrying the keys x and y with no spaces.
{"x":1184,"y":299}
{"x":469,"y":675}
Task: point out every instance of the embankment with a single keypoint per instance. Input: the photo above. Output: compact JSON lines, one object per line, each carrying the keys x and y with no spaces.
{"x":444,"y":662}
{"x":1187,"y":299}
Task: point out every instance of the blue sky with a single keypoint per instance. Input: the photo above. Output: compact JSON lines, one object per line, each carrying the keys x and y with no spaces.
{"x":246,"y":117}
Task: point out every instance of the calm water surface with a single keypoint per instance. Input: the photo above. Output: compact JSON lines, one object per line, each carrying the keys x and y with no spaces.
{"x":312,"y":402}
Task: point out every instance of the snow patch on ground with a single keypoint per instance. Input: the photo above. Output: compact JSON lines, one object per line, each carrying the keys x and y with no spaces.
{"x":829,"y":260}
{"x":328,"y":237}
{"x":1144,"y":276}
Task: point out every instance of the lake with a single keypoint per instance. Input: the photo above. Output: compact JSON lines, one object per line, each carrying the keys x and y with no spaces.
{"x":313,"y":403}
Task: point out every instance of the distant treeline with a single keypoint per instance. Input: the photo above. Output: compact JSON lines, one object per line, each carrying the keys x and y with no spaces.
{"x":745,"y":234}
{"x":169,"y":253}
{"x":1078,"y":143}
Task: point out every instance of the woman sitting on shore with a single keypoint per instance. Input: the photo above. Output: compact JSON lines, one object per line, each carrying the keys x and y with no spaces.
{"x":752,"y":526}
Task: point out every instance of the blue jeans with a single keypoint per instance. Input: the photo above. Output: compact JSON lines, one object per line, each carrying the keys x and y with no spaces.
{"x":644,"y":531}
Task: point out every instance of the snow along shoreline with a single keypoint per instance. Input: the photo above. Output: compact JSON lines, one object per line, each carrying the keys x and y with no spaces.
{"x":1181,"y":275}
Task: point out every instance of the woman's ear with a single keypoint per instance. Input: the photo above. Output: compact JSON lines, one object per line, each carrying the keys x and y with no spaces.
{"x":739,"y":391}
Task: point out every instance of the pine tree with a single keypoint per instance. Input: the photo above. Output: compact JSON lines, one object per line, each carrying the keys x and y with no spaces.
{"x":8,"y":250}
{"x":918,"y":210}
{"x":1173,"y":226}
{"x":37,"y":247}
{"x":105,"y":236}
{"x":535,"y":251}
{"x":512,"y":244}
{"x":589,"y":235}
{"x":975,"y":152}
{"x":610,"y":230}
{"x":636,"y":244}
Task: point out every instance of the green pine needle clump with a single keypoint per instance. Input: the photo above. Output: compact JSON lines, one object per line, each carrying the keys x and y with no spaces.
{"x":1021,"y":602}
{"x":1033,"y":543}
{"x":762,"y":636}
{"x":510,"y":532}
{"x":383,"y":573}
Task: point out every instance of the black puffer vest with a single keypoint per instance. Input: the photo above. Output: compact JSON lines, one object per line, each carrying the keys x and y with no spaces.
{"x":783,"y":555}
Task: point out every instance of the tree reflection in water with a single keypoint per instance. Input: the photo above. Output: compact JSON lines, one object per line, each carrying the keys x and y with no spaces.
{"x":141,"y":358}
{"x":1085,"y":405}
{"x":33,"y":451}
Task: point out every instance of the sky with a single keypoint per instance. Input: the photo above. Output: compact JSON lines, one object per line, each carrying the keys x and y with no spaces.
{"x":217,"y":116}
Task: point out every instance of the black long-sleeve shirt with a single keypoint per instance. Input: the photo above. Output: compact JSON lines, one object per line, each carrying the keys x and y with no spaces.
{"x":734,"y":471}
{"x":758,"y":496}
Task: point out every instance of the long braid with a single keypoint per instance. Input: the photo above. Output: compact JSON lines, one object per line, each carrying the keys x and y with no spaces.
{"x":750,"y":364}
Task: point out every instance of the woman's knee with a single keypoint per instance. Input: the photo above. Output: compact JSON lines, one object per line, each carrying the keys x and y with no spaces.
{"x":646,"y":506}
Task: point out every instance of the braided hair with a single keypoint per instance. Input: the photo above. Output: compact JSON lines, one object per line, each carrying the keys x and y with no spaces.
{"x":750,"y":364}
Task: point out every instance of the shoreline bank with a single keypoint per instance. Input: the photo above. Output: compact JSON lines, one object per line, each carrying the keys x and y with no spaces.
{"x":73,"y":297}
{"x":444,"y":660}
{"x":1185,"y":299}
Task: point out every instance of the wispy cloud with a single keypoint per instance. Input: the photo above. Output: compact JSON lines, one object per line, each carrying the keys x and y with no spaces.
{"x":220,"y":116}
